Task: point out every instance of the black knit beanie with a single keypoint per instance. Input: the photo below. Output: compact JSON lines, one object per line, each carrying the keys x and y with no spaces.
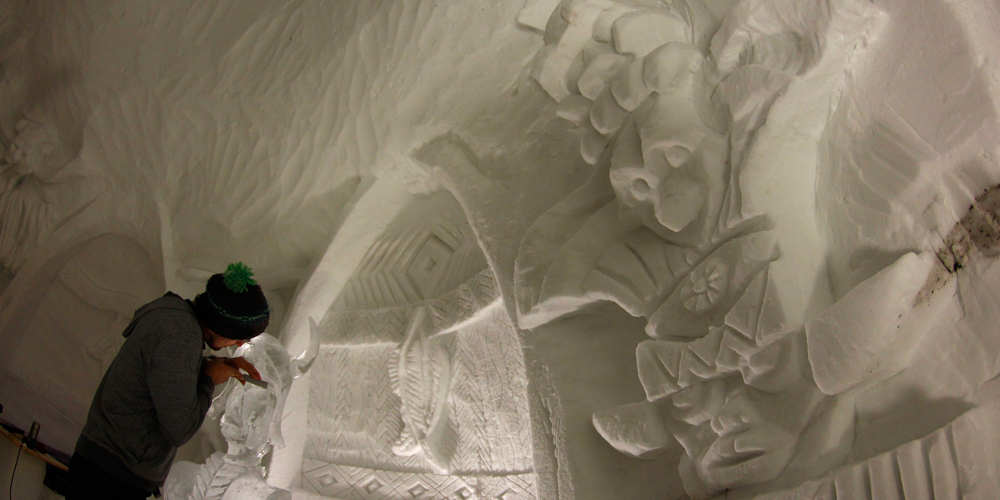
{"x":233,"y":305}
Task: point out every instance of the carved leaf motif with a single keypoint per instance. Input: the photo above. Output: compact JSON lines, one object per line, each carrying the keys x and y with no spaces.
{"x":422,"y":379}
{"x":223,"y":478}
{"x":203,"y":483}
{"x":214,"y":477}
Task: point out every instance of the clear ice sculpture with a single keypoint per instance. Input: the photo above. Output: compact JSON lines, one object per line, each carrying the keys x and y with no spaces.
{"x":251,"y":425}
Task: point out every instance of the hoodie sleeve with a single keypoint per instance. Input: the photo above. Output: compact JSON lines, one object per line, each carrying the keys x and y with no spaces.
{"x":181,"y":393}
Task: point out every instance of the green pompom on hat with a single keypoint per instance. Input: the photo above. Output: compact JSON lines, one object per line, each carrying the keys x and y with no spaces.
{"x":237,"y":277}
{"x":233,"y":304}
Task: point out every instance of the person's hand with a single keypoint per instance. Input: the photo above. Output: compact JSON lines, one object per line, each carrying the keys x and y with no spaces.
{"x":222,"y":369}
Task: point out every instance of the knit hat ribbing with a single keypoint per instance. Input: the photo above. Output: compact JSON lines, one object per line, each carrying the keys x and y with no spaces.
{"x":233,"y":305}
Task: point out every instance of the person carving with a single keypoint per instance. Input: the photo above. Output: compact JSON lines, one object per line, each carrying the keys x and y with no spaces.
{"x":156,"y":392}
{"x":251,"y":424}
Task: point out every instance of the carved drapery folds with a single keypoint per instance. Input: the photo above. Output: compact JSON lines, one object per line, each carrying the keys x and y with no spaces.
{"x":931,"y":467}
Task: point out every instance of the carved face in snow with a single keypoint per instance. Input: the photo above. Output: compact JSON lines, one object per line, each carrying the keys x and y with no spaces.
{"x":737,"y":433}
{"x":36,"y":150}
{"x":668,"y":168}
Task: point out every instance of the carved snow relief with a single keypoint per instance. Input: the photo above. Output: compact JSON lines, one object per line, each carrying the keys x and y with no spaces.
{"x":740,"y":400}
{"x":789,"y":196}
{"x":434,"y":405}
{"x":672,"y":102}
{"x":34,"y":197}
{"x":354,"y":483}
{"x":935,"y":467}
{"x":419,"y":259}
{"x":703,"y":287}
{"x":419,"y":390}
{"x":422,"y":378}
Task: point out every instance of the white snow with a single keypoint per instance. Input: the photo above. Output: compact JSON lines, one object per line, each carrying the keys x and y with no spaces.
{"x":546,"y":249}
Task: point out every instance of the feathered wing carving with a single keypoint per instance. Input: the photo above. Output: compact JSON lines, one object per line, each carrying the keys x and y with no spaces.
{"x":422,"y":377}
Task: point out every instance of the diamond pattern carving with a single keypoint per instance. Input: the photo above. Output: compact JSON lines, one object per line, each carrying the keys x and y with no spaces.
{"x":417,"y":490}
{"x":429,"y":264}
{"x":408,"y":266}
{"x":327,"y":480}
{"x":434,"y":265}
{"x":353,"y":483}
{"x":373,"y":486}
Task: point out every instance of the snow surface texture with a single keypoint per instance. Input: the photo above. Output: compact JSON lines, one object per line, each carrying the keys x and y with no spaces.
{"x":547,"y":249}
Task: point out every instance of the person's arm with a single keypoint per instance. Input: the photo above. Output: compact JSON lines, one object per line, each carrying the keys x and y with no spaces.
{"x":222,"y":369}
{"x":181,"y":392}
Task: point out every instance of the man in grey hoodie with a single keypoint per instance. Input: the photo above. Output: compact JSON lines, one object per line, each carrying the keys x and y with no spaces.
{"x":156,"y":392}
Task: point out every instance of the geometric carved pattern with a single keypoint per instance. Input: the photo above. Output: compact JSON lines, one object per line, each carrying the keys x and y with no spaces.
{"x":388,"y":325}
{"x":365,"y":327}
{"x":355,"y":417}
{"x":357,"y":444}
{"x":356,"y":483}
{"x":755,"y":323}
{"x":429,"y":264}
{"x":408,"y":266}
{"x":489,"y":398}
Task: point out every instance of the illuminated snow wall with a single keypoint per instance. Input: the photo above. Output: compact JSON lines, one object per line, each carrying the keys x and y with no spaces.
{"x":777,"y":274}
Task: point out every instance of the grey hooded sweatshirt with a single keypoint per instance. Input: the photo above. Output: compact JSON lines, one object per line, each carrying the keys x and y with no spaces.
{"x":153,"y":398}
